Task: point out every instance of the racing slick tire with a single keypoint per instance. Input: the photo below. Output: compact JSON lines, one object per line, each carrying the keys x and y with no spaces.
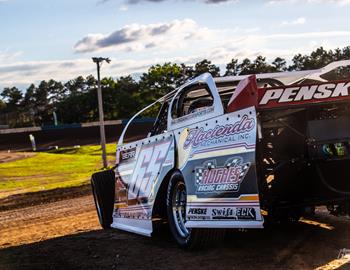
{"x":188,"y":238}
{"x":102,"y":185}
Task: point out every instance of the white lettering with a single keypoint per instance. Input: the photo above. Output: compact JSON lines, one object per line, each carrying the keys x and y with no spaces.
{"x":148,"y":166}
{"x":303,"y":93}
{"x":306,"y":93}
{"x":271,"y":95}
{"x":324,"y":91}
{"x":288,"y":94}
{"x":342,"y":89}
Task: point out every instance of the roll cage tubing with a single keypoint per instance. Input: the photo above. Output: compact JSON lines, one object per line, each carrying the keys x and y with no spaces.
{"x":164,"y":98}
{"x":286,"y":77}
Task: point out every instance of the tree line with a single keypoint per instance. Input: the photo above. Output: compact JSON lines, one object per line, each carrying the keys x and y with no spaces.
{"x":75,"y":101}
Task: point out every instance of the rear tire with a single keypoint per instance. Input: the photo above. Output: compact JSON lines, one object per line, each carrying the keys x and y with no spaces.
{"x":103,"y":188}
{"x":188,"y":238}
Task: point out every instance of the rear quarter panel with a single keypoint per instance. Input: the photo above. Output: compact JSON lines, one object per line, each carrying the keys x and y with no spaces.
{"x":217,"y":159}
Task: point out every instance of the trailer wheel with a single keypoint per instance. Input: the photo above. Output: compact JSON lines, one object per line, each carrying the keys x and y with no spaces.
{"x":102,"y":184}
{"x":187,"y":238}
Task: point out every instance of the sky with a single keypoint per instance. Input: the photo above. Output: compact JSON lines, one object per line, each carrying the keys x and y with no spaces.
{"x":44,"y":39}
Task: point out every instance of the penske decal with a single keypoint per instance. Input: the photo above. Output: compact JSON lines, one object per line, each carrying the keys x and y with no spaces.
{"x":299,"y":94}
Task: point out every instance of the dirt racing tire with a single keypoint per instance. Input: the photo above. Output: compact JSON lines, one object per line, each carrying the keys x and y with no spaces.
{"x":102,"y":185}
{"x":176,"y":210}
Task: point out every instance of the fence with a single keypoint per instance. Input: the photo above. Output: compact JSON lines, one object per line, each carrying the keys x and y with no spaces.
{"x":17,"y":139}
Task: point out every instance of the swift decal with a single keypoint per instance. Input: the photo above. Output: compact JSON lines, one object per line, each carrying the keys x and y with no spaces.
{"x":246,"y":213}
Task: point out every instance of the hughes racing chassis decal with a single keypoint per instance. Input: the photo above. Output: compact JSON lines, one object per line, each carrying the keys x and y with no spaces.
{"x":213,"y":178}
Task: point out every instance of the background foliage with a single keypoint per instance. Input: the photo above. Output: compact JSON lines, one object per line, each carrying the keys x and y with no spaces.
{"x":76,"y":100}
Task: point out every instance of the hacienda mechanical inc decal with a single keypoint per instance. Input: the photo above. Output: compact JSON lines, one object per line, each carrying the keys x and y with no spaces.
{"x":211,"y":178}
{"x":220,"y":134}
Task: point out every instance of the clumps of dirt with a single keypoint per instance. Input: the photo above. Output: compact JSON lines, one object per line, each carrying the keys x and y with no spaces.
{"x":35,"y":198}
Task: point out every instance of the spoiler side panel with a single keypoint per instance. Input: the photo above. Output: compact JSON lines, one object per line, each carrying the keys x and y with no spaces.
{"x":303,"y":94}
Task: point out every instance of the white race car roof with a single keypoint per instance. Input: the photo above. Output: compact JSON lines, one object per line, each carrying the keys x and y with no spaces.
{"x":292,"y":76}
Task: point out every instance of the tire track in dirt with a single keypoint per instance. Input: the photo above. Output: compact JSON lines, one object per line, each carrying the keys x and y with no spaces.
{"x":66,"y":235}
{"x":46,"y":221}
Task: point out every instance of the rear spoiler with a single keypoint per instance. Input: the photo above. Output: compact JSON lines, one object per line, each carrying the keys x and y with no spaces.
{"x":290,"y":89}
{"x":292,"y":77}
{"x":304,"y":94}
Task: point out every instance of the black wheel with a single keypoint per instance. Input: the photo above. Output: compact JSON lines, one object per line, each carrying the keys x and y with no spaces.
{"x":102,"y":184}
{"x":176,"y":210}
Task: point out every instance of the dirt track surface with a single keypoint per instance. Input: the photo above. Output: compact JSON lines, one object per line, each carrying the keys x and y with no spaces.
{"x":7,"y":157}
{"x":42,"y":197}
{"x":66,"y":235}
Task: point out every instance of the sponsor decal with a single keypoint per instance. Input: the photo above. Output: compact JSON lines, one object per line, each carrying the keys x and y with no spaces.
{"x":197,"y":214}
{"x":298,"y":94}
{"x":128,"y":154}
{"x":148,"y":165}
{"x":237,"y":213}
{"x":121,"y":189}
{"x":133,"y":214}
{"x":211,"y":178}
{"x":245,"y":213}
{"x":201,"y":112}
{"x":197,"y":211}
{"x":220,"y":134}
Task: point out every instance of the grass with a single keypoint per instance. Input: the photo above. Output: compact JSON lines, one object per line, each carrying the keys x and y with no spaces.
{"x":61,"y":168}
{"x":94,"y":150}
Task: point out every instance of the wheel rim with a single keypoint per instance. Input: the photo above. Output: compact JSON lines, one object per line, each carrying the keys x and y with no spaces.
{"x":179,"y":209}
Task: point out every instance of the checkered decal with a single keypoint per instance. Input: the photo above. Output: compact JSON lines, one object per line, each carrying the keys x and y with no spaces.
{"x":210,"y":165}
{"x":199,"y":171}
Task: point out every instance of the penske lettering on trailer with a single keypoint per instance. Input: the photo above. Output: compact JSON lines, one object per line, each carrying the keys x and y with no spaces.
{"x":305,"y":93}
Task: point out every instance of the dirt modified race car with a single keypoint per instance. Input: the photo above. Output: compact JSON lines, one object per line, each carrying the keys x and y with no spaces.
{"x":231,"y":152}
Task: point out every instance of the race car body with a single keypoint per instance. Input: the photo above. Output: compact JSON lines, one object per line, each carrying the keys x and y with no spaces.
{"x":223,"y":151}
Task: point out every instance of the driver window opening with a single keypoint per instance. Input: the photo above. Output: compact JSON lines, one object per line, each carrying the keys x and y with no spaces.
{"x":191,"y":100}
{"x":152,"y":121}
{"x":160,"y":125}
